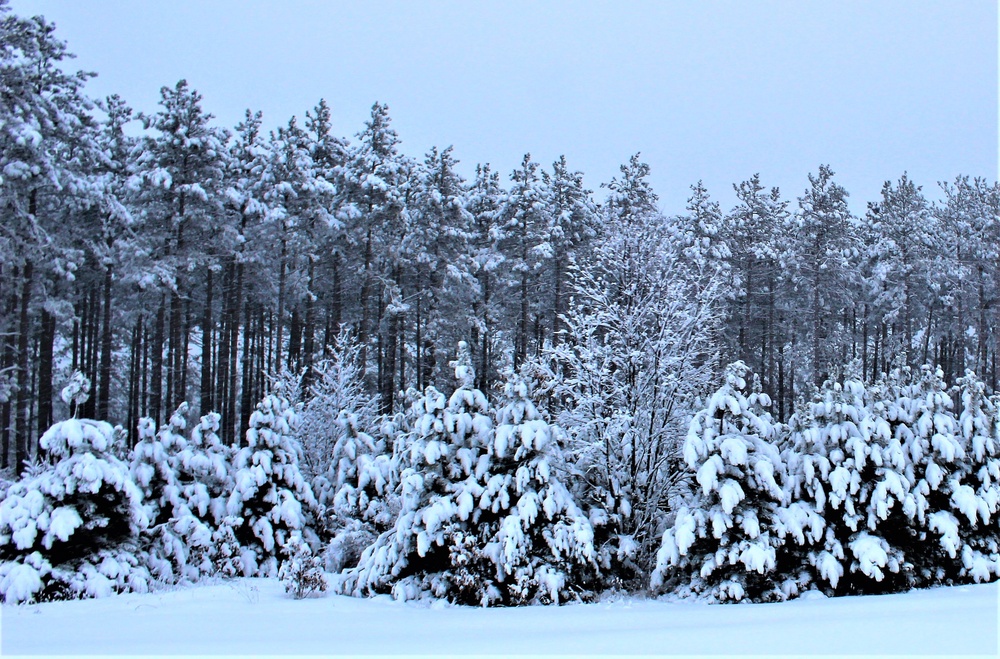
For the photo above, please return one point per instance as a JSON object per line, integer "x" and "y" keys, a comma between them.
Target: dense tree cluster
{"x": 870, "y": 488}
{"x": 272, "y": 317}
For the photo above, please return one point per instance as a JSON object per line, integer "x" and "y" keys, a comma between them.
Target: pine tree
{"x": 976, "y": 502}
{"x": 936, "y": 462}
{"x": 72, "y": 528}
{"x": 271, "y": 498}
{"x": 849, "y": 466}
{"x": 534, "y": 544}
{"x": 725, "y": 543}
{"x": 822, "y": 244}
{"x": 442, "y": 461}
{"x": 525, "y": 215}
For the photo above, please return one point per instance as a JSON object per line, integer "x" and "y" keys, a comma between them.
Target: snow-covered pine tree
{"x": 533, "y": 543}
{"x": 203, "y": 469}
{"x": 302, "y": 572}
{"x": 442, "y": 459}
{"x": 848, "y": 467}
{"x": 357, "y": 492}
{"x": 271, "y": 499}
{"x": 976, "y": 502}
{"x": 183, "y": 483}
{"x": 72, "y": 529}
{"x": 152, "y": 470}
{"x": 937, "y": 461}
{"x": 485, "y": 201}
{"x": 725, "y": 543}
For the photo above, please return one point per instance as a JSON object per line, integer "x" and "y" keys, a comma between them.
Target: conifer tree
{"x": 71, "y": 529}
{"x": 725, "y": 543}
{"x": 271, "y": 499}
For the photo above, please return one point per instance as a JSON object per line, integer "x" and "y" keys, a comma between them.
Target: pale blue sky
{"x": 713, "y": 90}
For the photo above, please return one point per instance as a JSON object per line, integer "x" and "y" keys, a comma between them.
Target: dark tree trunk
{"x": 207, "y": 402}
{"x": 245, "y": 402}
{"x": 23, "y": 405}
{"x": 309, "y": 329}
{"x": 45, "y": 357}
{"x": 7, "y": 363}
{"x": 234, "y": 418}
{"x": 135, "y": 364}
{"x": 182, "y": 392}
{"x": 104, "y": 399}
{"x": 156, "y": 369}
{"x": 294, "y": 341}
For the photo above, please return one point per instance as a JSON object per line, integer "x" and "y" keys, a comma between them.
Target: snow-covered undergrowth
{"x": 870, "y": 489}
{"x": 255, "y": 617}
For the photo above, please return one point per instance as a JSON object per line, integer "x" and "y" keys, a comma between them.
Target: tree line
{"x": 191, "y": 263}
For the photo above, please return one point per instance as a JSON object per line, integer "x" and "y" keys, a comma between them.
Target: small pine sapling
{"x": 301, "y": 573}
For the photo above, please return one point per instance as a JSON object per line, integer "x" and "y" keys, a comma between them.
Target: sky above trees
{"x": 713, "y": 91}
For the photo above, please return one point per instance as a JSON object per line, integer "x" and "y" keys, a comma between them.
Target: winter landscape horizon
{"x": 279, "y": 377}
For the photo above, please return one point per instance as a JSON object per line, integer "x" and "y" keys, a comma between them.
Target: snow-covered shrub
{"x": 976, "y": 501}
{"x": 72, "y": 530}
{"x": 485, "y": 518}
{"x": 183, "y": 482}
{"x": 936, "y": 461}
{"x": 270, "y": 495}
{"x": 440, "y": 459}
{"x": 336, "y": 392}
{"x": 848, "y": 466}
{"x": 725, "y": 543}
{"x": 357, "y": 491}
{"x": 301, "y": 573}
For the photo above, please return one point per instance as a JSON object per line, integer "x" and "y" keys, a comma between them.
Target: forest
{"x": 501, "y": 390}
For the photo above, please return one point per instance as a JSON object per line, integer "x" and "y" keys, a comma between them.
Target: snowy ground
{"x": 254, "y": 617}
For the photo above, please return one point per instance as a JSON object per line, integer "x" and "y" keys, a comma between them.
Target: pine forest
{"x": 307, "y": 354}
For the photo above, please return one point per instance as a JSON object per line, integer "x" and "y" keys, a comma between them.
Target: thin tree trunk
{"x": 247, "y": 379}
{"x": 8, "y": 363}
{"x": 23, "y": 405}
{"x": 45, "y": 359}
{"x": 104, "y": 399}
{"x": 282, "y": 276}
{"x": 234, "y": 361}
{"x": 135, "y": 365}
{"x": 309, "y": 328}
{"x": 156, "y": 370}
{"x": 207, "y": 402}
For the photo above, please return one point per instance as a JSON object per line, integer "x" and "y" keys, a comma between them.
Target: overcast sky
{"x": 713, "y": 90}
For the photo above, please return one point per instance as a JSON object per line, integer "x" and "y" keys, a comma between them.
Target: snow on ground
{"x": 254, "y": 617}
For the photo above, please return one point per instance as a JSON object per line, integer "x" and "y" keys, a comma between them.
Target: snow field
{"x": 255, "y": 617}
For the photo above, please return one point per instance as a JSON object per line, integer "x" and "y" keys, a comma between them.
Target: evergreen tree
{"x": 271, "y": 498}
{"x": 442, "y": 462}
{"x": 849, "y": 466}
{"x": 725, "y": 543}
{"x": 977, "y": 499}
{"x": 71, "y": 529}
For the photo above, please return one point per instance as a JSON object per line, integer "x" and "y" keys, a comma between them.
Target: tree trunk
{"x": 104, "y": 398}
{"x": 366, "y": 292}
{"x": 309, "y": 328}
{"x": 247, "y": 373}
{"x": 135, "y": 365}
{"x": 23, "y": 405}
{"x": 207, "y": 402}
{"x": 6, "y": 365}
{"x": 45, "y": 358}
{"x": 156, "y": 370}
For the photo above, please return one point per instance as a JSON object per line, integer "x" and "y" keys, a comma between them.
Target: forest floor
{"x": 254, "y": 617}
